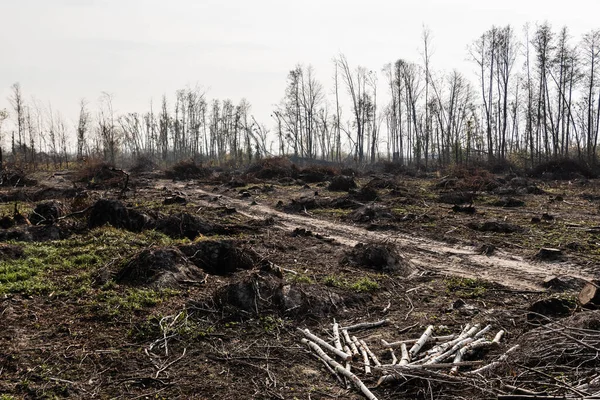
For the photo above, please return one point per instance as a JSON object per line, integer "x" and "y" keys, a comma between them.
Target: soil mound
{"x": 379, "y": 257}
{"x": 365, "y": 193}
{"x": 113, "y": 212}
{"x": 370, "y": 213}
{"x": 15, "y": 178}
{"x": 259, "y": 293}
{"x": 47, "y": 213}
{"x": 183, "y": 225}
{"x": 158, "y": 267}
{"x": 508, "y": 202}
{"x": 562, "y": 169}
{"x": 220, "y": 257}
{"x": 42, "y": 233}
{"x": 11, "y": 252}
{"x": 382, "y": 183}
{"x": 272, "y": 168}
{"x": 101, "y": 176}
{"x": 494, "y": 226}
{"x": 143, "y": 164}
{"x": 457, "y": 197}
{"x": 305, "y": 203}
{"x": 317, "y": 173}
{"x": 187, "y": 169}
{"x": 342, "y": 183}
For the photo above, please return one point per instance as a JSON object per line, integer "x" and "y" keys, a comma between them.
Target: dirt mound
{"x": 159, "y": 267}
{"x": 305, "y": 203}
{"x": 220, "y": 257}
{"x": 101, "y": 176}
{"x": 508, "y": 202}
{"x": 468, "y": 179}
{"x": 15, "y": 178}
{"x": 365, "y": 193}
{"x": 317, "y": 173}
{"x": 42, "y": 233}
{"x": 382, "y": 183}
{"x": 562, "y": 169}
{"x": 113, "y": 212}
{"x": 143, "y": 164}
{"x": 11, "y": 252}
{"x": 494, "y": 226}
{"x": 379, "y": 257}
{"x": 259, "y": 293}
{"x": 183, "y": 225}
{"x": 370, "y": 213}
{"x": 272, "y": 168}
{"x": 342, "y": 183}
{"x": 187, "y": 169}
{"x": 47, "y": 213}
{"x": 457, "y": 197}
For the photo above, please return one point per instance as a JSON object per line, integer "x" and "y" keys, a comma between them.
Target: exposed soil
{"x": 194, "y": 286}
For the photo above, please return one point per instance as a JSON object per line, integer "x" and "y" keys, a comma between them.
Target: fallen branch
{"x": 422, "y": 340}
{"x": 366, "y": 325}
{"x": 340, "y": 369}
{"x": 323, "y": 343}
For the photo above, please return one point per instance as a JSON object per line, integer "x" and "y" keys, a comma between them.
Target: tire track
{"x": 502, "y": 267}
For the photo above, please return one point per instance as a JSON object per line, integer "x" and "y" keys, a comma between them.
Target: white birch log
{"x": 409, "y": 367}
{"x": 394, "y": 358}
{"x": 448, "y": 353}
{"x": 498, "y": 336}
{"x": 432, "y": 339}
{"x": 364, "y": 354}
{"x": 482, "y": 332}
{"x": 422, "y": 340}
{"x": 350, "y": 343}
{"x": 493, "y": 365}
{"x": 323, "y": 343}
{"x": 366, "y": 325}
{"x": 457, "y": 359}
{"x": 465, "y": 329}
{"x": 473, "y": 329}
{"x": 340, "y": 369}
{"x": 370, "y": 353}
{"x": 336, "y": 336}
{"x": 347, "y": 351}
{"x": 405, "y": 355}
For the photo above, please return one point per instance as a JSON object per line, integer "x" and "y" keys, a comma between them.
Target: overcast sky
{"x": 64, "y": 50}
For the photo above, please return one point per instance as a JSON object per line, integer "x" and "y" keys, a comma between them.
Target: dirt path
{"x": 509, "y": 270}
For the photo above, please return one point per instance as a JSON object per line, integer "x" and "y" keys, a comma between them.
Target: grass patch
{"x": 362, "y": 285}
{"x": 66, "y": 267}
{"x": 466, "y": 287}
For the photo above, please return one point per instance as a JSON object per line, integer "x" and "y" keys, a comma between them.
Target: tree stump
{"x": 590, "y": 294}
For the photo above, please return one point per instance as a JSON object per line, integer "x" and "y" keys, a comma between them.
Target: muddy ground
{"x": 193, "y": 285}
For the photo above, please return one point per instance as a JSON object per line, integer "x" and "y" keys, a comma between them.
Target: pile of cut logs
{"x": 346, "y": 356}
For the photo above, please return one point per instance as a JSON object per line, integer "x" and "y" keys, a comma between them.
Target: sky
{"x": 62, "y": 51}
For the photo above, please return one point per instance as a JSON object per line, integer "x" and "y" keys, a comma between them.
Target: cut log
{"x": 336, "y": 336}
{"x": 422, "y": 340}
{"x": 350, "y": 343}
{"x": 366, "y": 325}
{"x": 590, "y": 294}
{"x": 340, "y": 369}
{"x": 323, "y": 343}
{"x": 548, "y": 254}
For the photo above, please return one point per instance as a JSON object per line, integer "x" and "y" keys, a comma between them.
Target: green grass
{"x": 362, "y": 285}
{"x": 466, "y": 287}
{"x": 67, "y": 267}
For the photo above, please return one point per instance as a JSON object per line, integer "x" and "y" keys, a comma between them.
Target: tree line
{"x": 536, "y": 96}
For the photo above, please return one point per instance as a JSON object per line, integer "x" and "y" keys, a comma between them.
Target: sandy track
{"x": 509, "y": 270}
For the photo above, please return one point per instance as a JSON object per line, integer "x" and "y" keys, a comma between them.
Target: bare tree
{"x": 82, "y": 129}
{"x": 107, "y": 128}
{"x": 591, "y": 58}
